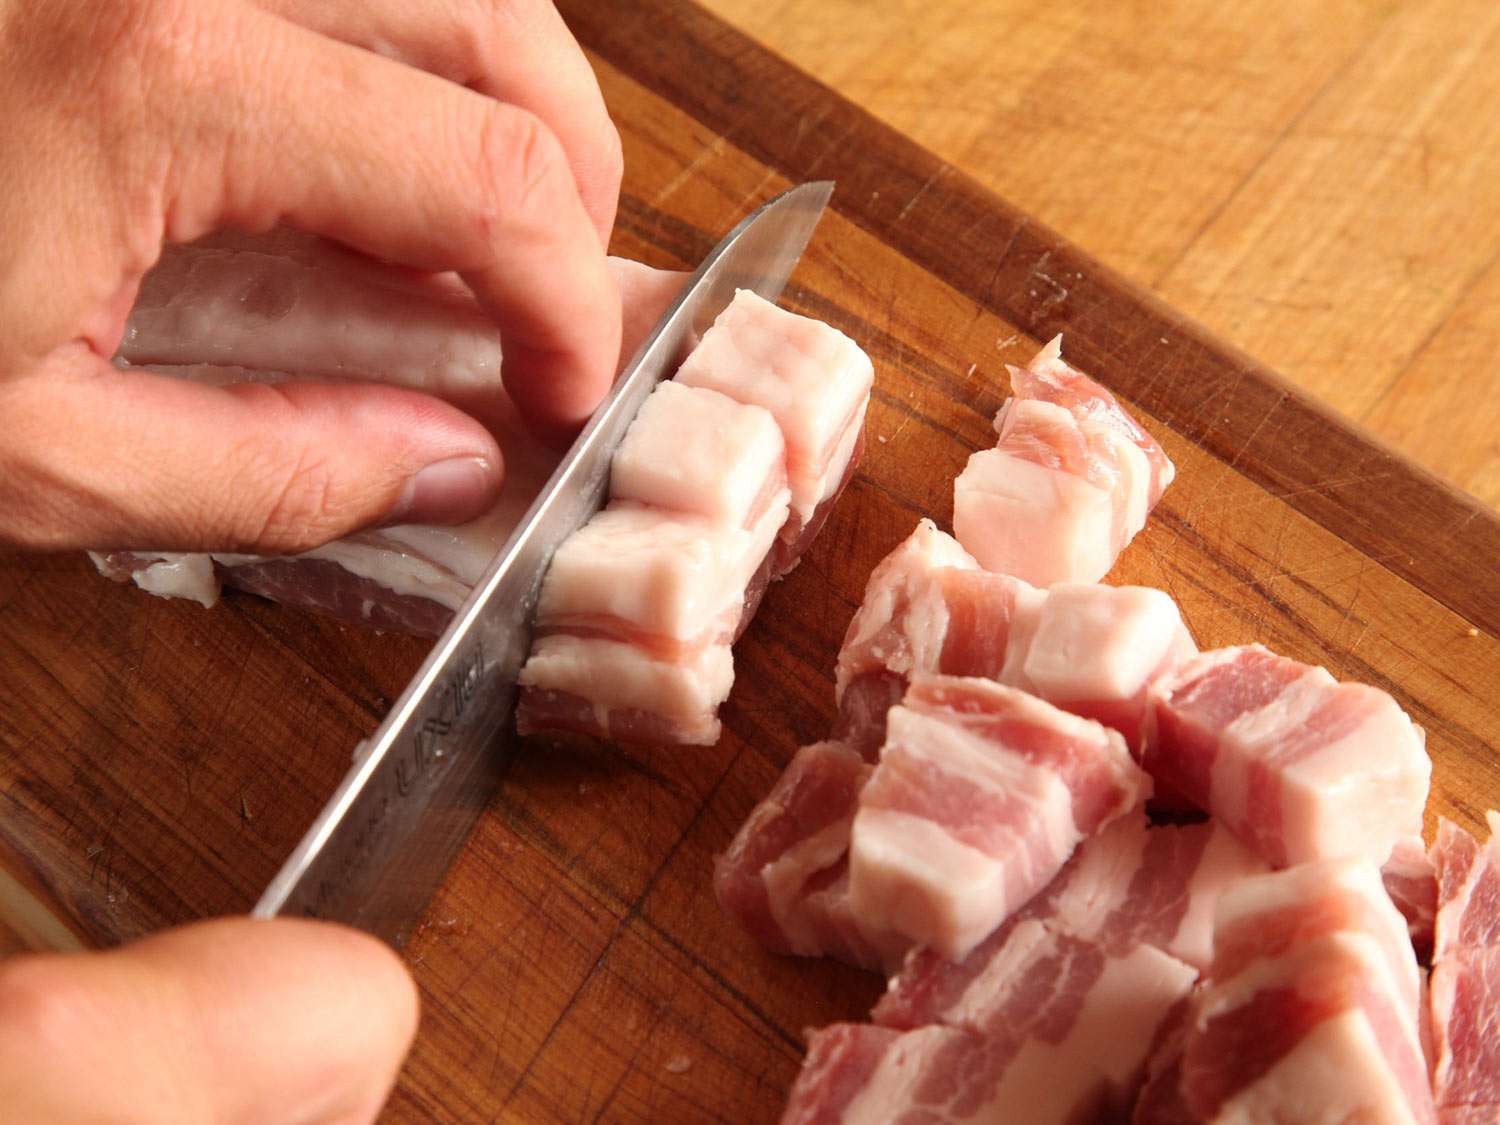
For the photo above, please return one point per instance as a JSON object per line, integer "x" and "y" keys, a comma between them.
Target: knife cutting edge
{"x": 380, "y": 846}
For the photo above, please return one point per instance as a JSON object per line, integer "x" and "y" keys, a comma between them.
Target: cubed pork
{"x": 1297, "y": 764}
{"x": 1069, "y": 483}
{"x": 981, "y": 794}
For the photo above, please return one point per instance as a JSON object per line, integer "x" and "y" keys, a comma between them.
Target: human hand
{"x": 466, "y": 136}
{"x": 234, "y": 1020}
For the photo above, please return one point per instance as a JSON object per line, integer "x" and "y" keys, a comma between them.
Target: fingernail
{"x": 450, "y": 491}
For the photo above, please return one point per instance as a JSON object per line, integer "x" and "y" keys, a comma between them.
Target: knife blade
{"x": 378, "y": 849}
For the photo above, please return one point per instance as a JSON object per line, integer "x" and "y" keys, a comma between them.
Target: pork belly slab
{"x": 1059, "y": 1032}
{"x": 1310, "y": 1012}
{"x": 1067, "y": 486}
{"x": 1089, "y": 649}
{"x": 1298, "y": 765}
{"x": 715, "y": 488}
{"x": 980, "y": 796}
{"x": 1464, "y": 989}
{"x": 269, "y": 308}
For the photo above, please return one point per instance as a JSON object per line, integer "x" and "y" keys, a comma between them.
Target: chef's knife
{"x": 381, "y": 845}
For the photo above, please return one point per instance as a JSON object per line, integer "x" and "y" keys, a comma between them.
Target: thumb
{"x": 234, "y": 1020}
{"x": 93, "y": 456}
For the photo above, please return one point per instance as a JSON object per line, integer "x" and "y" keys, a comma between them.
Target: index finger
{"x": 273, "y": 122}
{"x": 519, "y": 51}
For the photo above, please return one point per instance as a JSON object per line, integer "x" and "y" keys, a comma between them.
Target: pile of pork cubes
{"x": 1009, "y": 820}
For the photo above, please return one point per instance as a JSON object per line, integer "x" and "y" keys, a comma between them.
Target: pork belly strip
{"x": 1310, "y": 1011}
{"x": 1062, "y": 1035}
{"x": 981, "y": 794}
{"x": 1068, "y": 484}
{"x": 1298, "y": 765}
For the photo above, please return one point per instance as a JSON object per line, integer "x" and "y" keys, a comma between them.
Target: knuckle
{"x": 519, "y": 162}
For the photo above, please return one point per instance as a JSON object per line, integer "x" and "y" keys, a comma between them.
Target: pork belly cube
{"x": 1130, "y": 885}
{"x": 1138, "y": 883}
{"x": 1056, "y": 1031}
{"x": 1311, "y": 1008}
{"x": 882, "y": 635}
{"x": 1088, "y": 649}
{"x": 980, "y": 797}
{"x": 1097, "y": 649}
{"x": 1269, "y": 915}
{"x": 1298, "y": 765}
{"x": 1067, "y": 486}
{"x": 1049, "y": 378}
{"x": 616, "y": 690}
{"x": 813, "y": 379}
{"x": 784, "y": 877}
{"x": 669, "y": 582}
{"x": 1020, "y": 513}
{"x": 694, "y": 450}
{"x": 1314, "y": 1035}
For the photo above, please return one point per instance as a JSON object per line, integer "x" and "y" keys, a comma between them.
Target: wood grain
{"x": 160, "y": 760}
{"x": 1313, "y": 182}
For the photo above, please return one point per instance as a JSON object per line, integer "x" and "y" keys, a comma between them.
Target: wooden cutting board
{"x": 160, "y": 760}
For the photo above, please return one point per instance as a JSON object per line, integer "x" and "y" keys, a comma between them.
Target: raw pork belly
{"x": 785, "y": 876}
{"x": 268, "y": 308}
{"x": 720, "y": 482}
{"x": 1067, "y": 486}
{"x": 1311, "y": 1007}
{"x": 1057, "y": 1031}
{"x": 1129, "y": 886}
{"x": 1297, "y": 764}
{"x": 1465, "y": 985}
{"x": 816, "y": 383}
{"x": 980, "y": 797}
{"x": 1411, "y": 882}
{"x": 1089, "y": 649}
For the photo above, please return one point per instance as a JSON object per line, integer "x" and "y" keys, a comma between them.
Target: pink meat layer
{"x": 1265, "y": 1057}
{"x": 981, "y": 795}
{"x": 1295, "y": 763}
{"x": 784, "y": 877}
